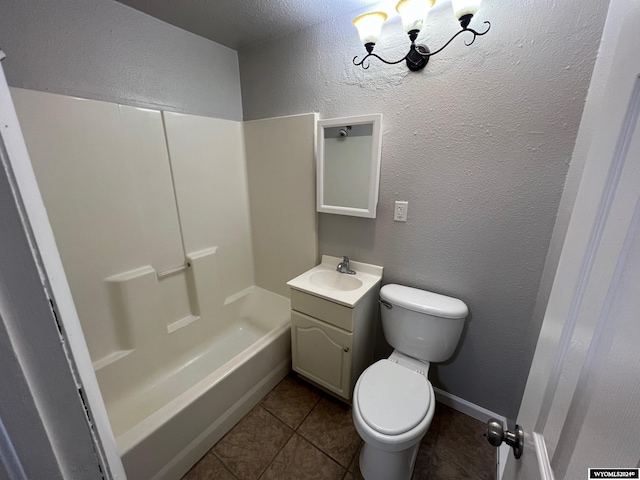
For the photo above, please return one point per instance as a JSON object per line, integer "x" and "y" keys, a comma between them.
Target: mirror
{"x": 348, "y": 174}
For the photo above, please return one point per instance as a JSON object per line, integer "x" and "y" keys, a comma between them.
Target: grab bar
{"x": 173, "y": 271}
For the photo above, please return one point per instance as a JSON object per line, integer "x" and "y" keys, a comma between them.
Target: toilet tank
{"x": 421, "y": 324}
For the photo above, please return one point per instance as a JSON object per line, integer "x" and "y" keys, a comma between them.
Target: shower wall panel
{"x": 104, "y": 175}
{"x": 209, "y": 173}
{"x": 132, "y": 195}
{"x": 282, "y": 190}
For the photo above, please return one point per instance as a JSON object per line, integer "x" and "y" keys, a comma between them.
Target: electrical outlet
{"x": 400, "y": 211}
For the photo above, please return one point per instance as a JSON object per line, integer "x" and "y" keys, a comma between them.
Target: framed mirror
{"x": 348, "y": 163}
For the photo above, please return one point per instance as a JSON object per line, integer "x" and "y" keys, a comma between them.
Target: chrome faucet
{"x": 343, "y": 267}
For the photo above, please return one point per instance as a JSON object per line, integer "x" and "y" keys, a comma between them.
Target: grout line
{"x": 353, "y": 457}
{"x": 275, "y": 416}
{"x": 308, "y": 413}
{"x": 224, "y": 465}
{"x": 275, "y": 456}
{"x": 294, "y": 432}
{"x": 285, "y": 443}
{"x": 313, "y": 445}
{"x": 259, "y": 405}
{"x": 319, "y": 447}
{"x": 428, "y": 466}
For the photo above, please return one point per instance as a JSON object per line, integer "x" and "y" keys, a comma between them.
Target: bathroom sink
{"x": 324, "y": 281}
{"x": 334, "y": 280}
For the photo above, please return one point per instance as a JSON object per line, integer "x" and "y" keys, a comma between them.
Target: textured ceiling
{"x": 240, "y": 23}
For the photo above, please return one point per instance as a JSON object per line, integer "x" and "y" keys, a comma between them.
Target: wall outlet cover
{"x": 400, "y": 211}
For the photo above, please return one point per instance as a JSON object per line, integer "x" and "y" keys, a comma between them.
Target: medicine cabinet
{"x": 348, "y": 164}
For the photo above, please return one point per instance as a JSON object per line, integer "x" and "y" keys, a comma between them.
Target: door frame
{"x": 42, "y": 325}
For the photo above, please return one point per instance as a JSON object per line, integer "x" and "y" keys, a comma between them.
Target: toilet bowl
{"x": 392, "y": 409}
{"x": 393, "y": 400}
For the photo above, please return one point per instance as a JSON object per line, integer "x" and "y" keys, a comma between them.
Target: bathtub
{"x": 167, "y": 421}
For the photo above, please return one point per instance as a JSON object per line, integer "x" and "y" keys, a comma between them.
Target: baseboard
{"x": 468, "y": 408}
{"x": 544, "y": 465}
{"x": 479, "y": 413}
{"x": 502, "y": 453}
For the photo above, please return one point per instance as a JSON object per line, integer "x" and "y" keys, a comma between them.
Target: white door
{"x": 581, "y": 406}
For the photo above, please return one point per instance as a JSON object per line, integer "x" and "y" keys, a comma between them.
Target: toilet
{"x": 393, "y": 400}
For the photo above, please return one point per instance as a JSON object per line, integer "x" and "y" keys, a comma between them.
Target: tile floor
{"x": 298, "y": 432}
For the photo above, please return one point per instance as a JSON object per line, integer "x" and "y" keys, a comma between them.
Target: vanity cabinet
{"x": 332, "y": 343}
{"x": 322, "y": 353}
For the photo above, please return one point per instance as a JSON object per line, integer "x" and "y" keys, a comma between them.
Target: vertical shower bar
{"x": 186, "y": 265}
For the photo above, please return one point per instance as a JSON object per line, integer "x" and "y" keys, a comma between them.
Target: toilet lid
{"x": 393, "y": 399}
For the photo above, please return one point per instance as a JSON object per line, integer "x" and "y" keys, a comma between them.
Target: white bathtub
{"x": 164, "y": 423}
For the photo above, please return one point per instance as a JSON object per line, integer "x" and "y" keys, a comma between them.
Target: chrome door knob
{"x": 496, "y": 435}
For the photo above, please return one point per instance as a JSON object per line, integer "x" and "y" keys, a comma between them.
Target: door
{"x": 580, "y": 408}
{"x": 322, "y": 353}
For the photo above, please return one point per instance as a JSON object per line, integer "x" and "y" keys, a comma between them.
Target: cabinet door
{"x": 322, "y": 353}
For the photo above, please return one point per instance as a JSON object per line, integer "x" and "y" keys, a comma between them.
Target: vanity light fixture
{"x": 413, "y": 14}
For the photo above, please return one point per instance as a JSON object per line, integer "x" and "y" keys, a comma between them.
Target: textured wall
{"x": 104, "y": 50}
{"x": 479, "y": 144}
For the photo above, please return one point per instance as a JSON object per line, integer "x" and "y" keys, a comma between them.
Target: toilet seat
{"x": 392, "y": 399}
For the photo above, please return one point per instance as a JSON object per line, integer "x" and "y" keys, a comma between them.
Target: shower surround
{"x": 177, "y": 234}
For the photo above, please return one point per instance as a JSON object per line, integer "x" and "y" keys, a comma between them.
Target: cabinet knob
{"x": 346, "y": 349}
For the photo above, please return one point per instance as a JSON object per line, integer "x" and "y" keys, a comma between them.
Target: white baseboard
{"x": 503, "y": 452}
{"x": 468, "y": 408}
{"x": 479, "y": 413}
{"x": 542, "y": 456}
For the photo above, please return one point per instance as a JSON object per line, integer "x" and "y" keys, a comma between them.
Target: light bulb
{"x": 369, "y": 26}
{"x": 414, "y": 13}
{"x": 465, "y": 7}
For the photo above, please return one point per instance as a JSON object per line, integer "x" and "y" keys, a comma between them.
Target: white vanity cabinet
{"x": 322, "y": 353}
{"x": 332, "y": 337}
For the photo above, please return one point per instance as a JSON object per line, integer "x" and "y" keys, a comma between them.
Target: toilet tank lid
{"x": 424, "y": 302}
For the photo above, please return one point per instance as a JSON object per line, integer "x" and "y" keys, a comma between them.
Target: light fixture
{"x": 413, "y": 14}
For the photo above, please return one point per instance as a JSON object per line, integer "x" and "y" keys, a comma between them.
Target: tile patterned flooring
{"x": 298, "y": 432}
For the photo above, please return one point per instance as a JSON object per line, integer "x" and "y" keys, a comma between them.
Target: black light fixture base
{"x": 465, "y": 20}
{"x": 418, "y": 57}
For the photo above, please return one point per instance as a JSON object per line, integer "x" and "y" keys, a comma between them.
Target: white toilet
{"x": 393, "y": 400}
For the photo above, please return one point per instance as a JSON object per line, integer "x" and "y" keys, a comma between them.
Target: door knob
{"x": 496, "y": 435}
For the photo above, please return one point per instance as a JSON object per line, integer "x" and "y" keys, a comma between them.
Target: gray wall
{"x": 478, "y": 143}
{"x": 107, "y": 51}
